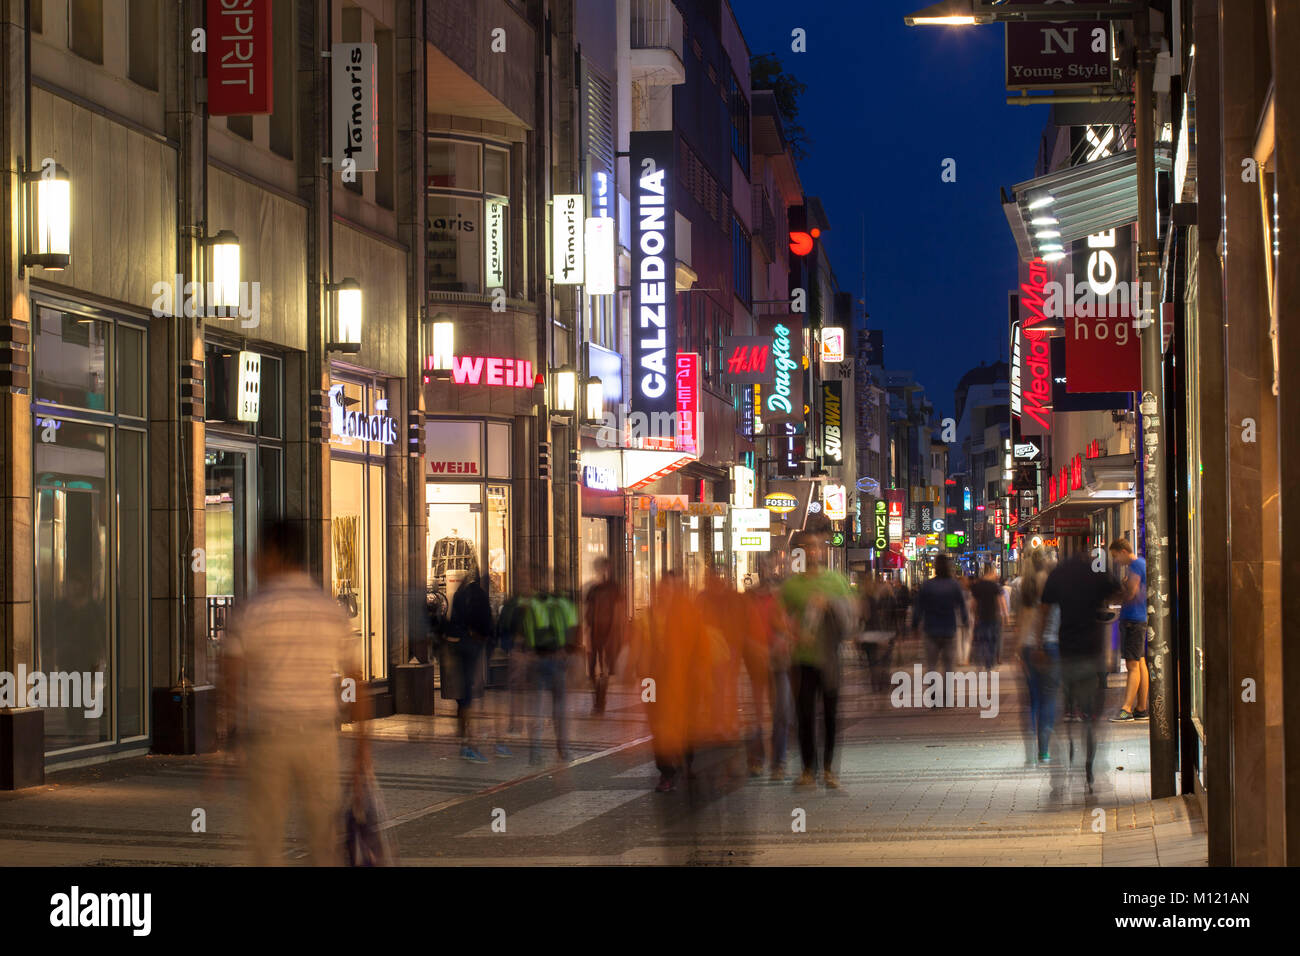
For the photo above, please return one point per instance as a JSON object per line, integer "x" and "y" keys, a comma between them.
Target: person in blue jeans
{"x": 1133, "y": 629}
{"x": 1043, "y": 675}
{"x": 548, "y": 630}
{"x": 990, "y": 615}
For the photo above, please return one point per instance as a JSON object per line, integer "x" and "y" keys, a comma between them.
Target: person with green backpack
{"x": 549, "y": 623}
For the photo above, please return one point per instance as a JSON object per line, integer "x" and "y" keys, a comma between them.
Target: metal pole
{"x": 1164, "y": 753}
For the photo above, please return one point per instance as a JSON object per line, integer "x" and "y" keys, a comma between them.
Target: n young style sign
{"x": 1058, "y": 55}
{"x": 654, "y": 269}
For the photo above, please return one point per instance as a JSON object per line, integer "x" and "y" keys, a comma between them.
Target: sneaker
{"x": 665, "y": 784}
{"x": 1123, "y": 716}
{"x": 806, "y": 779}
{"x": 756, "y": 770}
{"x": 778, "y": 773}
{"x": 503, "y": 751}
{"x": 472, "y": 755}
{"x": 1044, "y": 758}
{"x": 831, "y": 781}
{"x": 1141, "y": 715}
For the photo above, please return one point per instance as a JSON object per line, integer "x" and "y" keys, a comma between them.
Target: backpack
{"x": 551, "y": 617}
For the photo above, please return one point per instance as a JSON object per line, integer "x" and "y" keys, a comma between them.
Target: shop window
{"x": 72, "y": 369}
{"x": 453, "y": 165}
{"x": 130, "y": 371}
{"x": 496, "y": 171}
{"x": 468, "y": 208}
{"x": 455, "y": 241}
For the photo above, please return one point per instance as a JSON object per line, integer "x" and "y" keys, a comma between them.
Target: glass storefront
{"x": 358, "y": 516}
{"x": 467, "y": 509}
{"x": 90, "y": 521}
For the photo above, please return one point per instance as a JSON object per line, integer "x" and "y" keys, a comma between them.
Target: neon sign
{"x": 653, "y": 262}
{"x": 688, "y": 400}
{"x": 779, "y": 400}
{"x": 1036, "y": 394}
{"x": 489, "y": 370}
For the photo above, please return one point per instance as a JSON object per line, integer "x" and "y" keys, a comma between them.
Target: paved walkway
{"x": 920, "y": 787}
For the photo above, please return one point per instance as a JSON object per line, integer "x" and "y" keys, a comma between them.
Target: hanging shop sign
{"x": 654, "y": 263}
{"x": 835, "y": 501}
{"x": 356, "y": 106}
{"x": 239, "y": 57}
{"x": 1072, "y": 525}
{"x": 355, "y": 424}
{"x": 1102, "y": 348}
{"x": 250, "y": 386}
{"x": 567, "y": 233}
{"x": 743, "y": 487}
{"x": 751, "y": 541}
{"x": 832, "y": 344}
{"x": 832, "y": 445}
{"x": 751, "y": 519}
{"x": 780, "y": 502}
{"x": 600, "y": 243}
{"x": 1035, "y": 374}
{"x": 489, "y": 370}
{"x": 1057, "y": 55}
{"x": 687, "y": 390}
{"x": 925, "y": 518}
{"x": 881, "y": 515}
{"x": 600, "y": 478}
{"x": 747, "y": 360}
{"x": 494, "y": 244}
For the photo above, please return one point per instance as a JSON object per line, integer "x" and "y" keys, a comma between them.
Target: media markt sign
{"x": 1058, "y": 54}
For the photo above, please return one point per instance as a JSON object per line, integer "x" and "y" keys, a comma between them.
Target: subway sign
{"x": 832, "y": 446}
{"x": 654, "y": 265}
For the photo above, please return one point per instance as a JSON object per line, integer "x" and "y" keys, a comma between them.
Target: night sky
{"x": 885, "y": 105}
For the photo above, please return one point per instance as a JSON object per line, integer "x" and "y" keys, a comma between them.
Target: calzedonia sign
{"x": 654, "y": 267}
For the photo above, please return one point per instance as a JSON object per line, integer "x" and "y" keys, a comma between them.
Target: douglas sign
{"x": 654, "y": 261}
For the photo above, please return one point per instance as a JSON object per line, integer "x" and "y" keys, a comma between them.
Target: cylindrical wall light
{"x": 566, "y": 390}
{"x": 348, "y": 309}
{"x": 223, "y": 267}
{"x": 595, "y": 401}
{"x": 49, "y": 202}
{"x": 442, "y": 344}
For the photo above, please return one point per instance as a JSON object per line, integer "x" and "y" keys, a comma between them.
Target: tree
{"x": 767, "y": 73}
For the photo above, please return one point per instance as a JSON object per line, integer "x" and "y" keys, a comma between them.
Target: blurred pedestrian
{"x": 666, "y": 635}
{"x": 771, "y": 628}
{"x": 469, "y": 629}
{"x": 605, "y": 615}
{"x": 549, "y": 628}
{"x": 284, "y": 649}
{"x": 1041, "y": 659}
{"x": 940, "y": 609}
{"x": 819, "y": 604}
{"x": 990, "y": 617}
{"x": 1133, "y": 629}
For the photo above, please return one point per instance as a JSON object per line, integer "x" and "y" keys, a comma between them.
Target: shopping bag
{"x": 365, "y": 843}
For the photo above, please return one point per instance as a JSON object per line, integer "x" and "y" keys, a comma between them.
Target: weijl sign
{"x": 654, "y": 258}
{"x": 356, "y": 107}
{"x": 567, "y": 215}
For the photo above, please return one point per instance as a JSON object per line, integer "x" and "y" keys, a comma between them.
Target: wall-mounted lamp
{"x": 49, "y": 217}
{"x": 566, "y": 390}
{"x": 223, "y": 268}
{"x": 594, "y": 406}
{"x": 442, "y": 345}
{"x": 348, "y": 309}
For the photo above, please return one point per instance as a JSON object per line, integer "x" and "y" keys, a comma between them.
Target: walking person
{"x": 283, "y": 650}
{"x": 1041, "y": 660}
{"x": 940, "y": 608}
{"x": 990, "y": 617}
{"x": 1080, "y": 594}
{"x": 818, "y": 602}
{"x": 1133, "y": 629}
{"x": 772, "y": 656}
{"x": 549, "y": 631}
{"x": 468, "y": 630}
{"x": 605, "y": 614}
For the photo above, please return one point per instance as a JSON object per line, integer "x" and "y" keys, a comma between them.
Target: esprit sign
{"x": 832, "y": 446}
{"x": 489, "y": 370}
{"x": 356, "y": 107}
{"x": 654, "y": 257}
{"x": 567, "y": 227}
{"x": 239, "y": 57}
{"x": 1058, "y": 54}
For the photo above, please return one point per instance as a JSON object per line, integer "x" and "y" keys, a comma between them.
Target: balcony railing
{"x": 656, "y": 25}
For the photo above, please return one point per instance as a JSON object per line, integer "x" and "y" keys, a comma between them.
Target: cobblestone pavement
{"x": 919, "y": 787}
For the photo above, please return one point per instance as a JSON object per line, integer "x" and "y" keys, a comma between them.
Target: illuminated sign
{"x": 832, "y": 447}
{"x": 832, "y": 344}
{"x": 750, "y": 519}
{"x": 488, "y": 370}
{"x": 966, "y": 499}
{"x": 837, "y": 539}
{"x": 239, "y": 57}
{"x": 779, "y": 399}
{"x": 781, "y": 502}
{"x": 654, "y": 257}
{"x": 688, "y": 401}
{"x": 250, "y": 386}
{"x": 937, "y": 525}
{"x": 743, "y": 487}
{"x": 599, "y": 477}
{"x": 1036, "y": 364}
{"x": 494, "y": 245}
{"x": 567, "y": 215}
{"x": 353, "y": 424}
{"x": 953, "y": 540}
{"x": 747, "y": 360}
{"x": 882, "y": 526}
{"x": 836, "y": 501}
{"x": 356, "y": 106}
{"x": 801, "y": 243}
{"x": 601, "y": 257}
{"x": 752, "y": 541}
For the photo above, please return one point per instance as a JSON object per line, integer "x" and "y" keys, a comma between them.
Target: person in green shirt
{"x": 549, "y": 626}
{"x": 819, "y": 604}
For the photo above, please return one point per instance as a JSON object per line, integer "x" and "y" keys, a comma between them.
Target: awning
{"x": 1076, "y": 202}
{"x": 633, "y": 468}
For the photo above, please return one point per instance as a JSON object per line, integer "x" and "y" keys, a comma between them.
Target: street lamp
{"x": 970, "y": 12}
{"x": 595, "y": 401}
{"x": 348, "y": 310}
{"x": 566, "y": 390}
{"x": 223, "y": 267}
{"x": 49, "y": 227}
